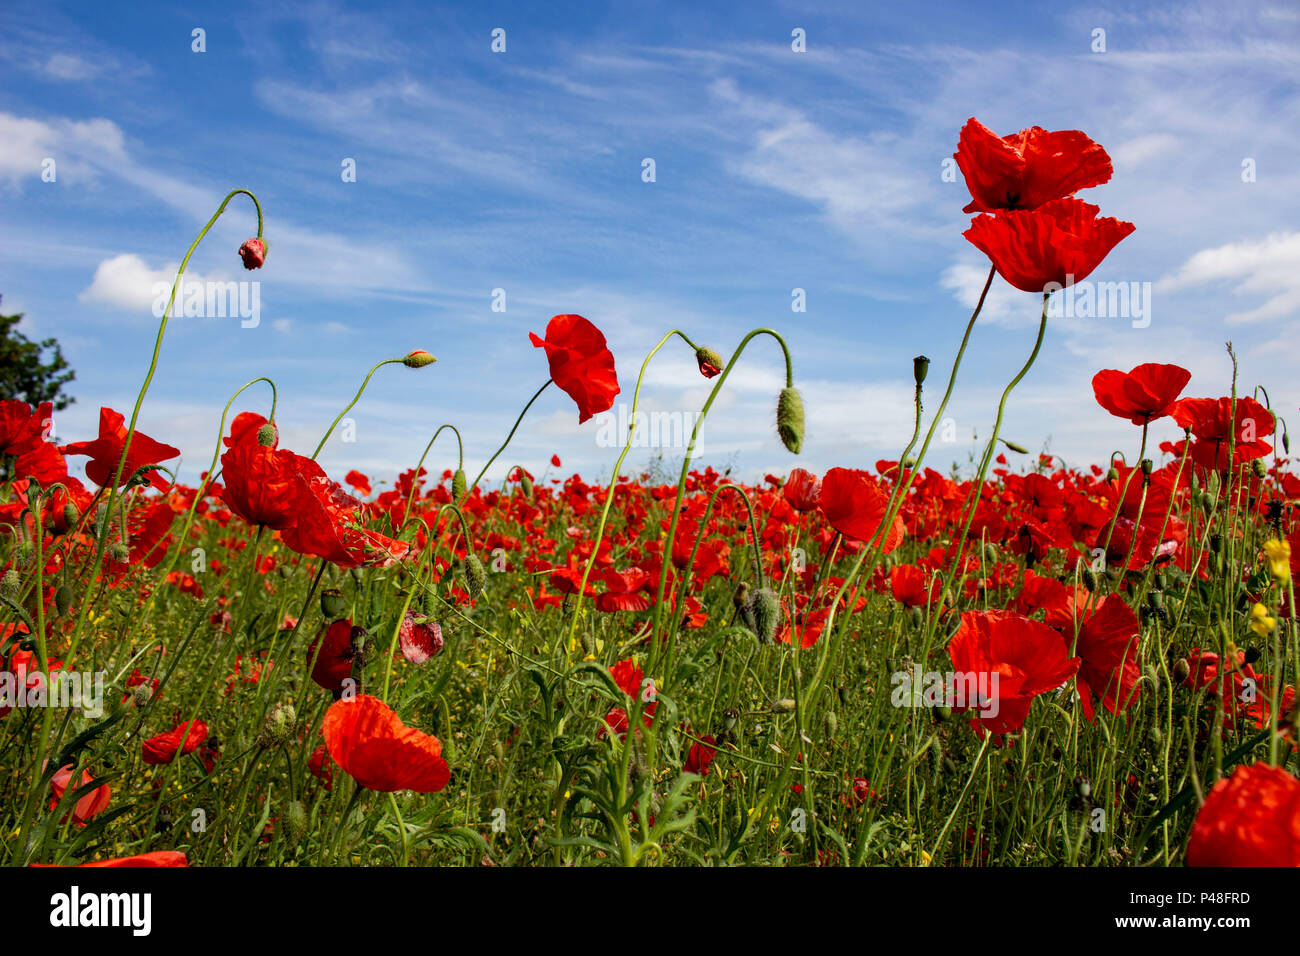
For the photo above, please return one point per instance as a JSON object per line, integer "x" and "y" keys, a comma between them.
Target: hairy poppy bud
{"x": 920, "y": 366}
{"x": 119, "y": 552}
{"x": 70, "y": 515}
{"x": 11, "y": 584}
{"x": 278, "y": 728}
{"x": 789, "y": 419}
{"x": 475, "y": 575}
{"x": 458, "y": 482}
{"x": 1018, "y": 449}
{"x": 1257, "y": 466}
{"x": 1182, "y": 670}
{"x": 63, "y": 598}
{"x": 418, "y": 359}
{"x": 1112, "y": 473}
{"x": 785, "y": 705}
{"x": 295, "y": 822}
{"x": 525, "y": 483}
{"x": 764, "y": 609}
{"x": 832, "y": 723}
{"x": 741, "y": 598}
{"x": 710, "y": 362}
{"x": 332, "y": 604}
{"x": 267, "y": 435}
{"x": 143, "y": 694}
{"x": 1286, "y": 442}
{"x": 253, "y": 252}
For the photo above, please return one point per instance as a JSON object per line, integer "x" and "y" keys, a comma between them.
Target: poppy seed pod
{"x": 475, "y": 575}
{"x": 920, "y": 366}
{"x": 266, "y": 436}
{"x": 764, "y": 609}
{"x": 1146, "y": 464}
{"x": 458, "y": 482}
{"x": 332, "y": 604}
{"x": 418, "y": 359}
{"x": 790, "y": 420}
{"x": 710, "y": 362}
{"x": 253, "y": 252}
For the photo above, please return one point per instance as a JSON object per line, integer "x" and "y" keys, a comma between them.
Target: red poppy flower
{"x": 1026, "y": 656}
{"x": 358, "y": 482}
{"x": 1212, "y": 423}
{"x": 624, "y": 591}
{"x": 1107, "y": 647}
{"x": 334, "y": 660}
{"x": 94, "y": 802}
{"x": 580, "y": 363}
{"x": 154, "y": 858}
{"x": 21, "y": 426}
{"x": 371, "y": 743}
{"x": 1057, "y": 244}
{"x": 261, "y": 484}
{"x": 1142, "y": 395}
{"x": 106, "y": 451}
{"x": 802, "y": 490}
{"x": 914, "y": 587}
{"x": 181, "y": 739}
{"x": 327, "y": 525}
{"x": 420, "y": 637}
{"x": 1251, "y": 818}
{"x": 699, "y": 758}
{"x": 253, "y": 252}
{"x": 245, "y": 428}
{"x": 854, "y": 505}
{"x": 1027, "y": 169}
{"x": 321, "y": 767}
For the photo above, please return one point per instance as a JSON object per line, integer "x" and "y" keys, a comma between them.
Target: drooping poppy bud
{"x": 764, "y": 610}
{"x": 710, "y": 362}
{"x": 11, "y": 584}
{"x": 332, "y": 604}
{"x": 525, "y": 483}
{"x": 790, "y": 420}
{"x": 475, "y": 575}
{"x": 458, "y": 482}
{"x": 278, "y": 728}
{"x": 1013, "y": 446}
{"x": 253, "y": 252}
{"x": 295, "y": 822}
{"x": 63, "y": 598}
{"x": 266, "y": 436}
{"x": 70, "y": 515}
{"x": 418, "y": 359}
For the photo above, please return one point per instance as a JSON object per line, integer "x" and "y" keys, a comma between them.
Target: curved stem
{"x": 469, "y": 489}
{"x": 415, "y": 477}
{"x": 356, "y": 398}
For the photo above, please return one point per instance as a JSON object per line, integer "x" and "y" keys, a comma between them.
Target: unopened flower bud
{"x": 784, "y": 705}
{"x": 418, "y": 359}
{"x": 11, "y": 584}
{"x": 267, "y": 436}
{"x": 119, "y": 552}
{"x": 525, "y": 483}
{"x": 1182, "y": 670}
{"x": 458, "y": 482}
{"x": 764, "y": 610}
{"x": 142, "y": 695}
{"x": 278, "y": 728}
{"x": 1257, "y": 466}
{"x": 63, "y": 596}
{"x": 920, "y": 366}
{"x": 710, "y": 362}
{"x": 475, "y": 575}
{"x": 1018, "y": 449}
{"x": 253, "y": 252}
{"x": 790, "y": 420}
{"x": 1083, "y": 785}
{"x": 1112, "y": 473}
{"x": 832, "y": 723}
{"x": 70, "y": 515}
{"x": 295, "y": 822}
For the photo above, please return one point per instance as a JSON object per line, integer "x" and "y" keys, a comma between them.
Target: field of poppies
{"x": 893, "y": 663}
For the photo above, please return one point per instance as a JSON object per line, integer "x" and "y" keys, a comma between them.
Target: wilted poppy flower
{"x": 420, "y": 637}
{"x": 1148, "y": 392}
{"x": 371, "y": 743}
{"x": 580, "y": 363}
{"x": 181, "y": 739}
{"x": 1251, "y": 818}
{"x": 334, "y": 660}
{"x": 854, "y": 505}
{"x": 1212, "y": 423}
{"x": 1027, "y": 169}
{"x": 1055, "y": 245}
{"x": 106, "y": 451}
{"x": 802, "y": 490}
{"x": 1026, "y": 656}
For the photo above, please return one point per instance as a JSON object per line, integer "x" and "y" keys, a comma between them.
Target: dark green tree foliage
{"x": 33, "y": 372}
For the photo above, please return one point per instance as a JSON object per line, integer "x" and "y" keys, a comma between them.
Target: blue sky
{"x": 522, "y": 170}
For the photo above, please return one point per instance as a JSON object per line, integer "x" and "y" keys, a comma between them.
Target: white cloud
{"x": 67, "y": 66}
{"x": 127, "y": 282}
{"x": 1268, "y": 267}
{"x": 76, "y": 146}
